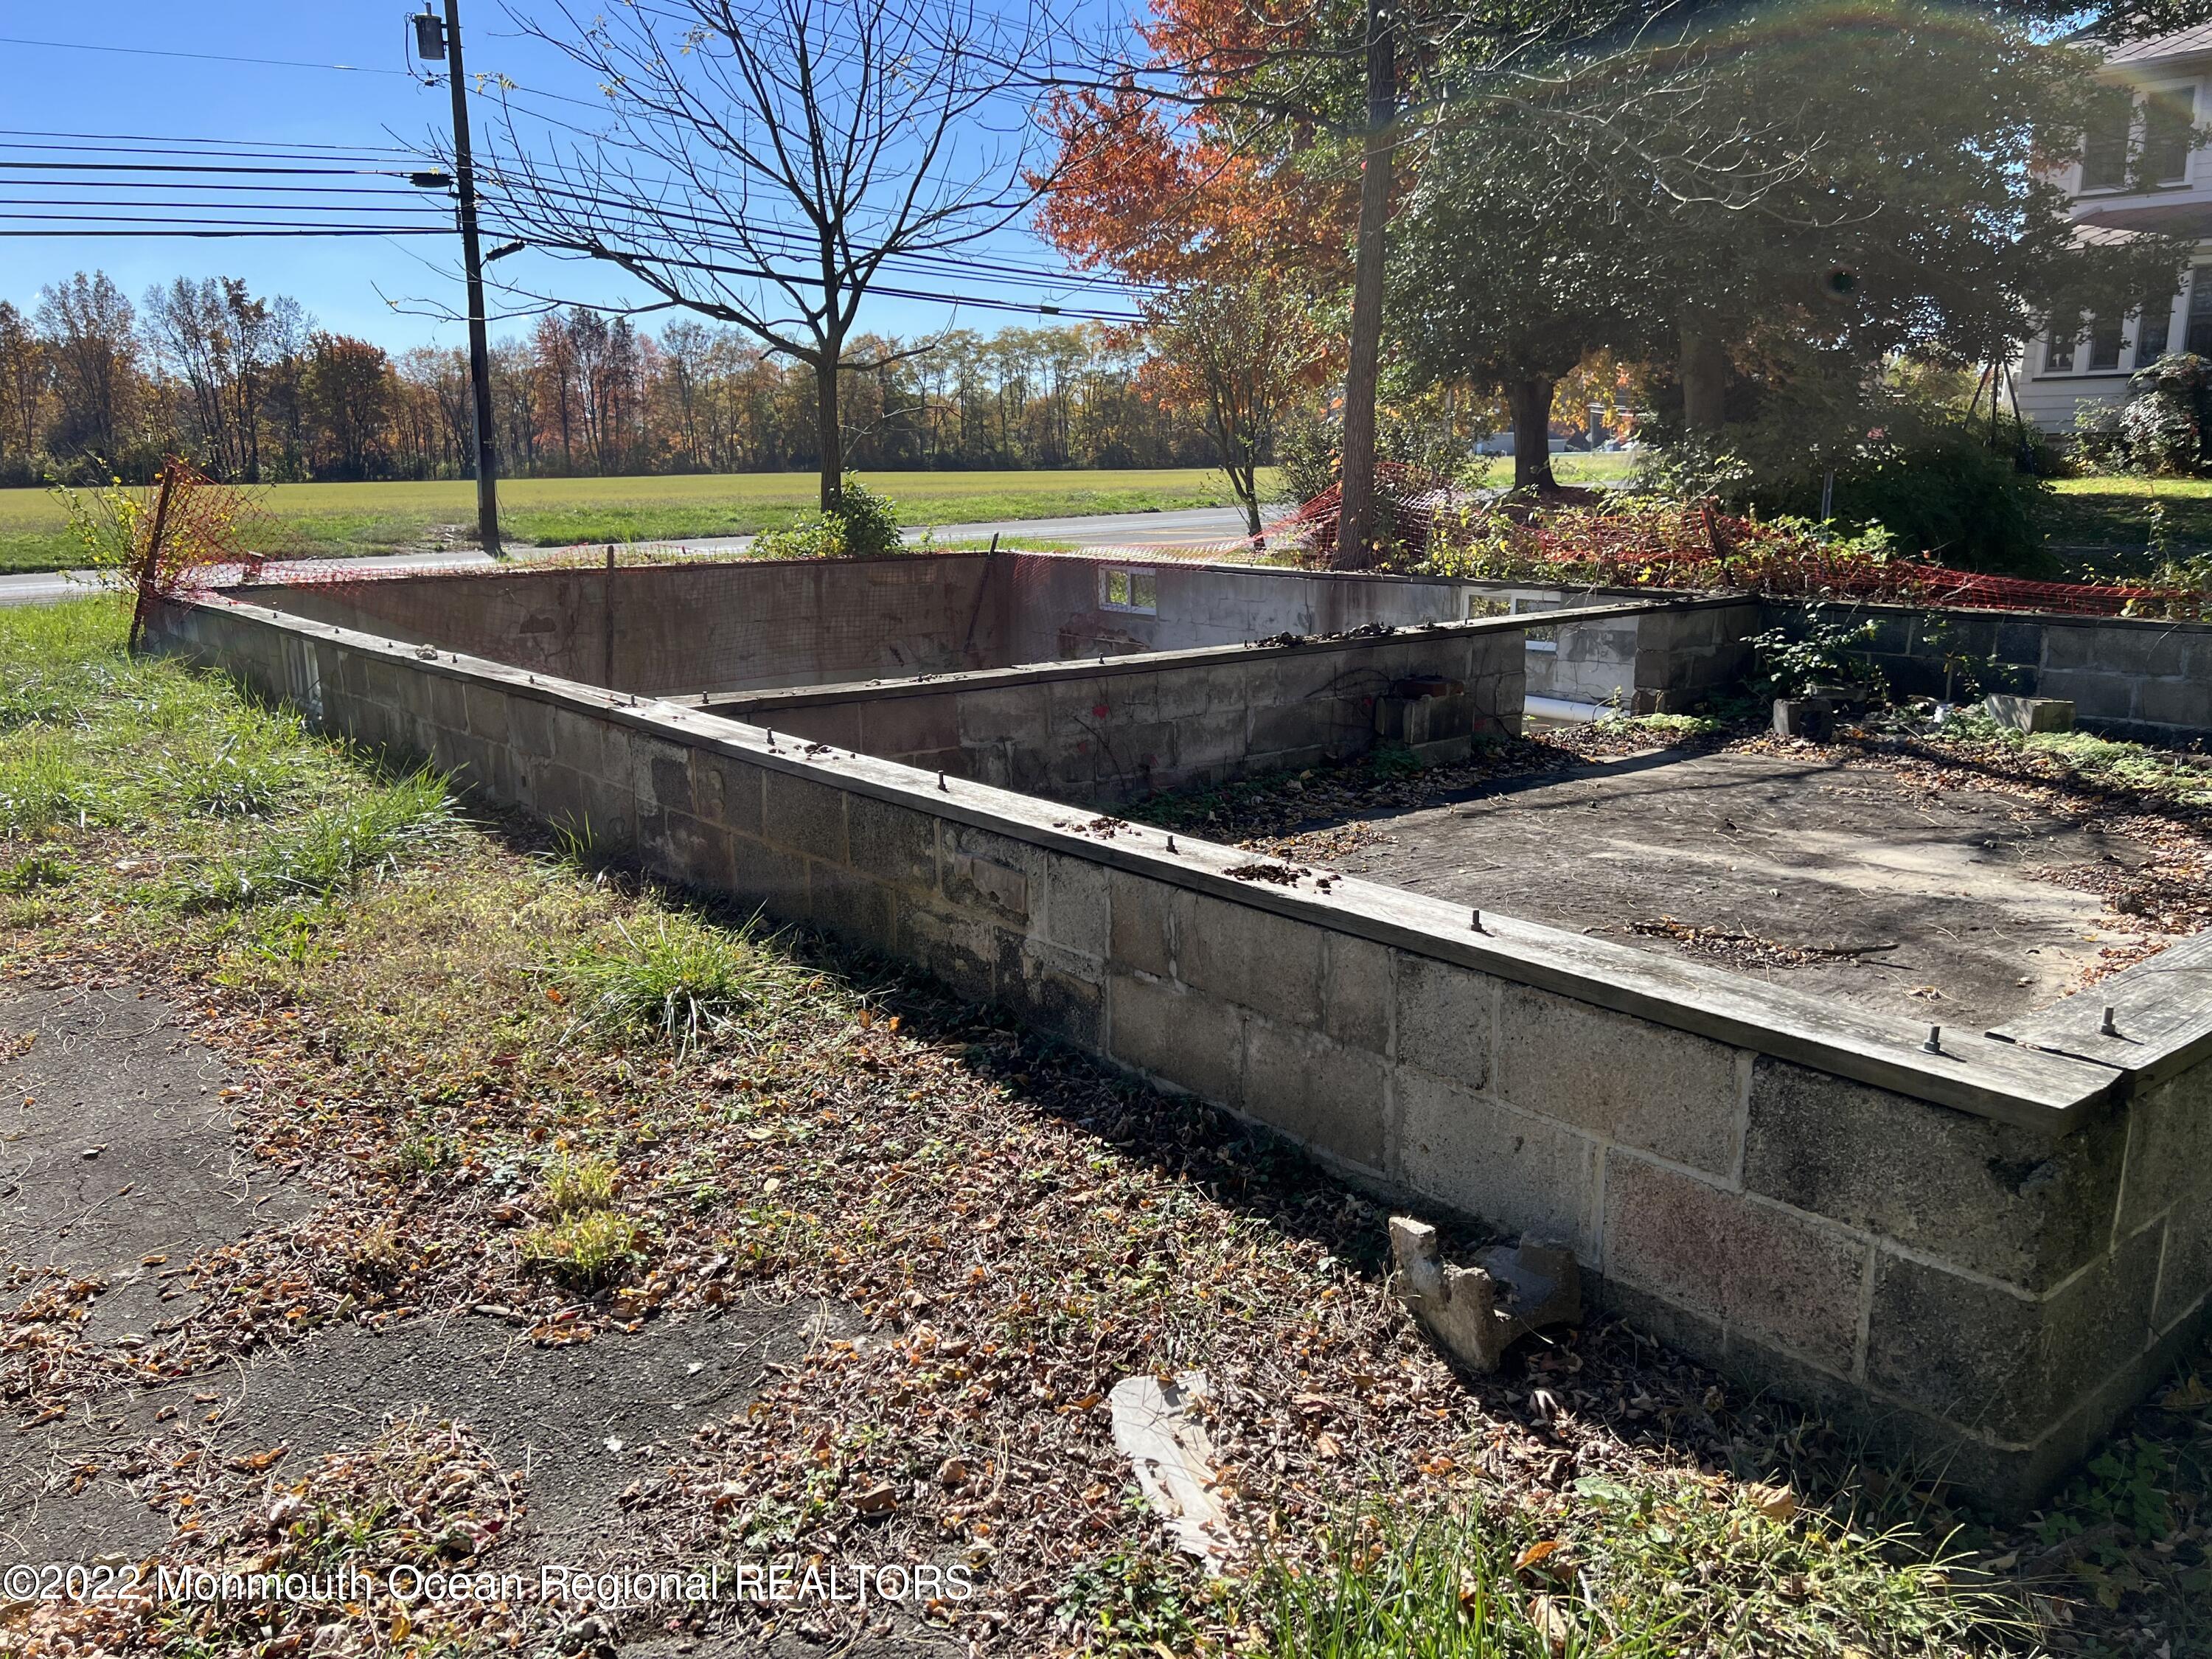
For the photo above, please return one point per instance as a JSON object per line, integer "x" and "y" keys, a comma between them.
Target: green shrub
{"x": 2164, "y": 427}
{"x": 1808, "y": 651}
{"x": 1941, "y": 483}
{"x": 866, "y": 526}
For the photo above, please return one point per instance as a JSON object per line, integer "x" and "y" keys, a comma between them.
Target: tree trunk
{"x": 831, "y": 443}
{"x": 1530, "y": 400}
{"x": 1357, "y": 521}
{"x": 1704, "y": 383}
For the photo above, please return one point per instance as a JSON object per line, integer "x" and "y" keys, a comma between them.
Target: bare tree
{"x": 763, "y": 160}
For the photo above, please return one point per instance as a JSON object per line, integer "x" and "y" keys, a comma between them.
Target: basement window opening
{"x": 1538, "y": 639}
{"x": 1121, "y": 589}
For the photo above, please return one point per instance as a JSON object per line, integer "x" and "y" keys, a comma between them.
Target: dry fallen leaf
{"x": 1536, "y": 1553}
{"x": 1777, "y": 1503}
{"x": 1328, "y": 1446}
{"x": 1552, "y": 1623}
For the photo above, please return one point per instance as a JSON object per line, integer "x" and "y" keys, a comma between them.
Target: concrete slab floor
{"x": 1832, "y": 880}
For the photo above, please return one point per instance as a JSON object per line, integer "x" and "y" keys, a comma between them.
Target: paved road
{"x": 1099, "y": 530}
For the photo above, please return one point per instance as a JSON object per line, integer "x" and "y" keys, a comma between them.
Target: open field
{"x": 340, "y": 519}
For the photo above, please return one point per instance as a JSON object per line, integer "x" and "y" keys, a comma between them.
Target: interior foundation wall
{"x": 2136, "y": 678}
{"x": 1125, "y": 727}
{"x": 1949, "y": 1252}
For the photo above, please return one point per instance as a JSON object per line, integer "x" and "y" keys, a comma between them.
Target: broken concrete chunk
{"x": 1811, "y": 718}
{"x": 2030, "y": 713}
{"x": 1156, "y": 1427}
{"x": 1477, "y": 1313}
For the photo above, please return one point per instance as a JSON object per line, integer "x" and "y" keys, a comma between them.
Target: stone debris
{"x": 1156, "y": 1427}
{"x": 1477, "y": 1313}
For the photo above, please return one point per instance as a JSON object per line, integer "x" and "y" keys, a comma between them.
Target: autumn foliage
{"x": 1160, "y": 190}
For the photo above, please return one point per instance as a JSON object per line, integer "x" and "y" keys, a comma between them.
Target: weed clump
{"x": 330, "y": 851}
{"x": 682, "y": 978}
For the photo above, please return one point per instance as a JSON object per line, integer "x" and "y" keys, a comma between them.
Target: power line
{"x": 265, "y": 230}
{"x": 116, "y": 138}
{"x": 197, "y": 57}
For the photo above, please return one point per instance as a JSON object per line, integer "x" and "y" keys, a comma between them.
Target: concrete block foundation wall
{"x": 1981, "y": 1256}
{"x": 1122, "y": 728}
{"x": 2141, "y": 679}
{"x": 654, "y": 629}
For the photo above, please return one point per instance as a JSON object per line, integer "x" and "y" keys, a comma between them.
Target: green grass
{"x": 2110, "y": 518}
{"x": 1636, "y": 1572}
{"x": 683, "y": 978}
{"x": 341, "y": 519}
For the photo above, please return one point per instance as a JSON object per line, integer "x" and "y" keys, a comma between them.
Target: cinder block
{"x": 727, "y": 790}
{"x": 1316, "y": 1091}
{"x": 1623, "y": 1078}
{"x": 2185, "y": 705}
{"x": 2117, "y": 645}
{"x": 805, "y": 816}
{"x": 1994, "y": 1199}
{"x": 2029, "y": 713}
{"x": 1180, "y": 1036}
{"x": 486, "y": 705}
{"x": 993, "y": 872}
{"x": 1075, "y": 912}
{"x": 1141, "y": 912}
{"x": 963, "y": 950}
{"x": 889, "y": 843}
{"x": 837, "y": 723}
{"x": 1251, "y": 956}
{"x": 1758, "y": 1269}
{"x": 663, "y": 777}
{"x": 1518, "y": 1173}
{"x": 687, "y": 849}
{"x": 1070, "y": 1006}
{"x": 772, "y": 876}
{"x": 901, "y": 725}
{"x": 530, "y": 718}
{"x": 2185, "y": 1278}
{"x": 2002, "y": 1364}
{"x": 2169, "y": 1147}
{"x": 851, "y": 905}
{"x": 1356, "y": 992}
{"x": 1444, "y": 1018}
{"x": 2095, "y": 696}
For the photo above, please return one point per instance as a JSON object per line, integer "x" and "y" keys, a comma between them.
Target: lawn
{"x": 532, "y": 1091}
{"x": 2104, "y": 524}
{"x": 338, "y": 520}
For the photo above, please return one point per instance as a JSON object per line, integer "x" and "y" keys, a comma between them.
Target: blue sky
{"x": 109, "y": 94}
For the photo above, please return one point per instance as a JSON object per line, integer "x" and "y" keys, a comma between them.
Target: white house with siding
{"x": 2147, "y": 175}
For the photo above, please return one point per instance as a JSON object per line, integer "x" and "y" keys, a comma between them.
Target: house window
{"x": 2058, "y": 355}
{"x": 2154, "y": 330}
{"x": 2105, "y": 153}
{"x": 1122, "y": 589}
{"x": 2104, "y": 345}
{"x": 2169, "y": 119}
{"x": 2199, "y": 337}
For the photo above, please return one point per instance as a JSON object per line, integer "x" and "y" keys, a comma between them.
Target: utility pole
{"x": 430, "y": 43}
